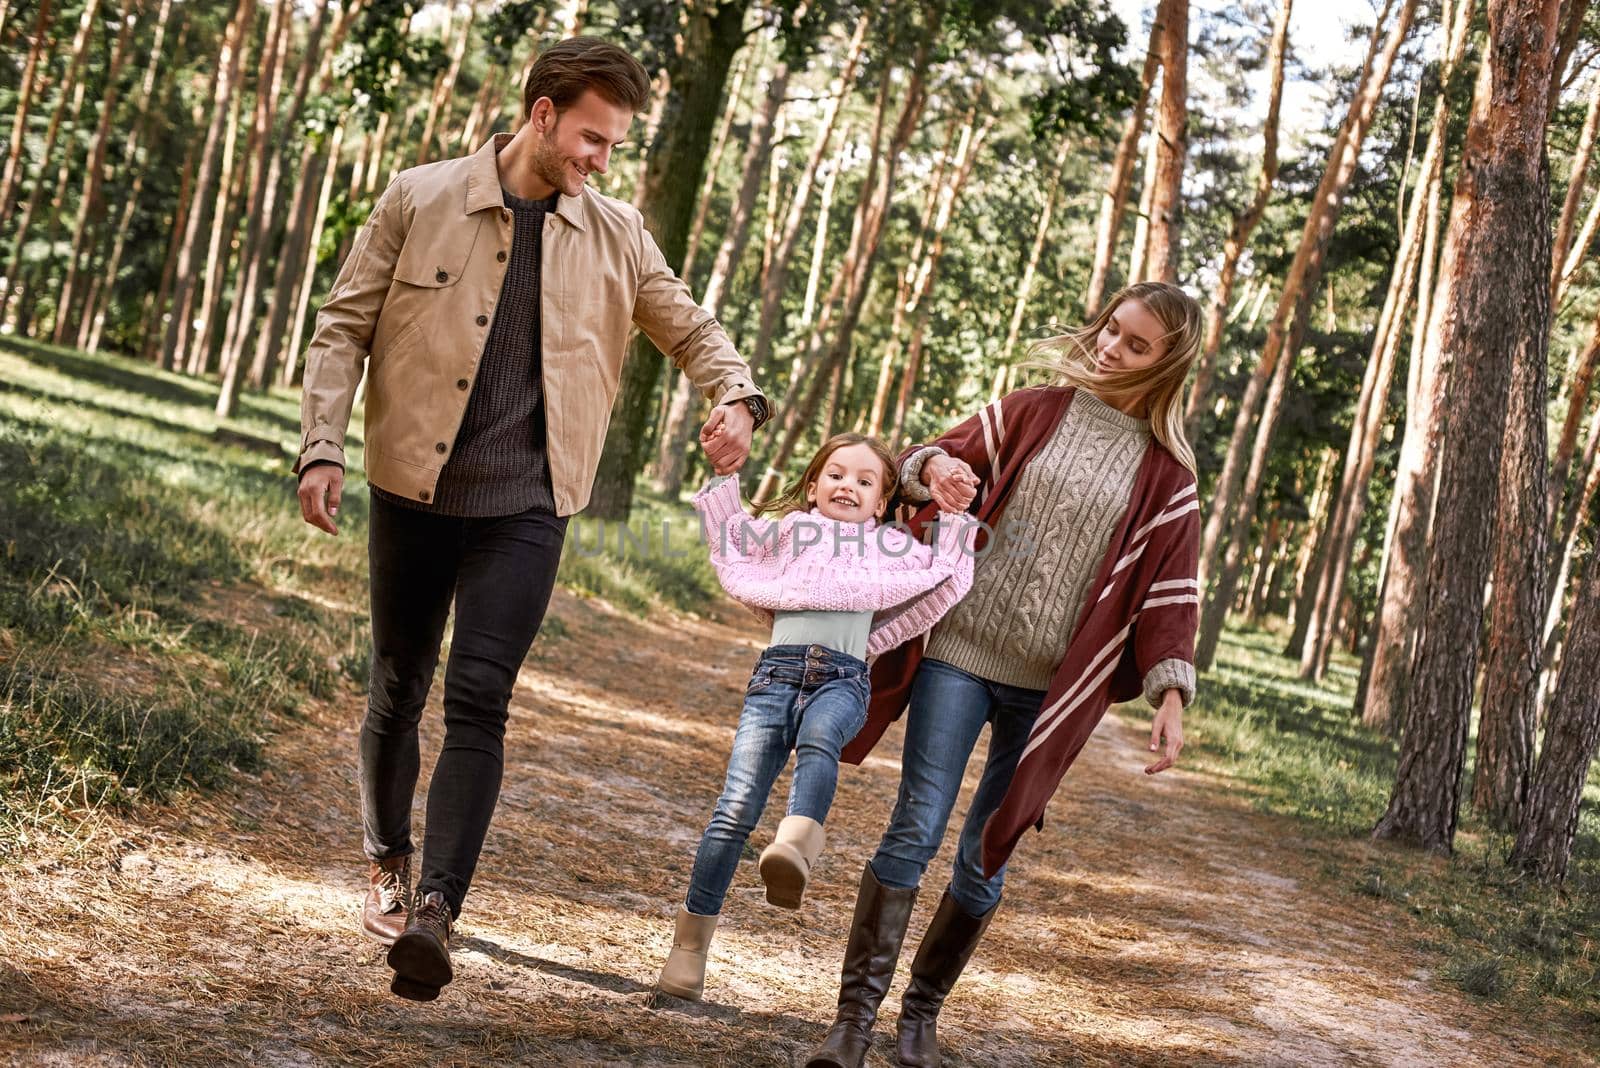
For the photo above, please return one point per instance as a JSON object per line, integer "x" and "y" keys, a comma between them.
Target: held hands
{"x": 726, "y": 436}
{"x": 1169, "y": 725}
{"x": 950, "y": 481}
{"x": 320, "y": 489}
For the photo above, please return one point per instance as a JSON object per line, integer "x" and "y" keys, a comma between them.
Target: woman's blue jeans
{"x": 808, "y": 699}
{"x": 948, "y": 710}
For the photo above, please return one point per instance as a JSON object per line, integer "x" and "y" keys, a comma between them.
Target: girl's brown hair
{"x": 793, "y": 499}
{"x": 1068, "y": 360}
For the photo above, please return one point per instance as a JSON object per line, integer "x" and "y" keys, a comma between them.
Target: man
{"x": 494, "y": 294}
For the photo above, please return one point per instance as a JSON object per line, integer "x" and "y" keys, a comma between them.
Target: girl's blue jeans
{"x": 807, "y": 699}
{"x": 947, "y": 712}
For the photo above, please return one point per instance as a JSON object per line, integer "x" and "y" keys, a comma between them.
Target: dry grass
{"x": 1153, "y": 922}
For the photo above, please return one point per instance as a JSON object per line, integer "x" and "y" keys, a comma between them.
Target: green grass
{"x": 120, "y": 514}
{"x": 1296, "y": 750}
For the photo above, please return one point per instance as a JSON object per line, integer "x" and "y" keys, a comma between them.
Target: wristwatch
{"x": 758, "y": 409}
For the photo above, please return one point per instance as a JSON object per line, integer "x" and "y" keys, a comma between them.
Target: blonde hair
{"x": 1068, "y": 360}
{"x": 793, "y": 499}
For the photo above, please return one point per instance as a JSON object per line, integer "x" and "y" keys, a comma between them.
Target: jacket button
{"x": 501, "y": 256}
{"x": 461, "y": 383}
{"x": 441, "y": 447}
{"x": 483, "y": 320}
{"x": 442, "y": 276}
{"x": 423, "y": 496}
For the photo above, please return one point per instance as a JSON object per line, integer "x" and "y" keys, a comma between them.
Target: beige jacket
{"x": 418, "y": 292}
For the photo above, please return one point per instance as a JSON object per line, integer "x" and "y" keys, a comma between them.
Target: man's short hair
{"x": 565, "y": 70}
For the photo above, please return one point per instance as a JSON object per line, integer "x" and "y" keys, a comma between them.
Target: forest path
{"x": 1155, "y": 921}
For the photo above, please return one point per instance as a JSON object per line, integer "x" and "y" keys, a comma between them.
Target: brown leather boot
{"x": 420, "y": 957}
{"x": 876, "y": 931}
{"x": 383, "y": 915}
{"x": 944, "y": 952}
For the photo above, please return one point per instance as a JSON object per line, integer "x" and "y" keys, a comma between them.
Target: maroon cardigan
{"x": 1142, "y": 608}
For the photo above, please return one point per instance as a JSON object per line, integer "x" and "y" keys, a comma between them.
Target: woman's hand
{"x": 1169, "y": 725}
{"x": 950, "y": 481}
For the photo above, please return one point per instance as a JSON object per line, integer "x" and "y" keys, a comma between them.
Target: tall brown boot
{"x": 876, "y": 931}
{"x": 946, "y": 947}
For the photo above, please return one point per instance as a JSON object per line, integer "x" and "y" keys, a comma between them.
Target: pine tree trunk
{"x": 439, "y": 102}
{"x": 1114, "y": 199}
{"x": 859, "y": 263}
{"x": 223, "y": 222}
{"x": 1314, "y": 647}
{"x": 1035, "y": 252}
{"x": 1575, "y": 182}
{"x": 1550, "y": 817}
{"x": 966, "y": 155}
{"x": 32, "y": 75}
{"x": 1138, "y": 253}
{"x": 94, "y": 174}
{"x": 151, "y": 347}
{"x": 776, "y": 269}
{"x": 105, "y": 281}
{"x": 1502, "y": 245}
{"x": 69, "y": 89}
{"x": 272, "y": 217}
{"x": 258, "y": 211}
{"x": 1172, "y": 141}
{"x": 819, "y": 243}
{"x": 1243, "y": 227}
{"x": 1515, "y": 635}
{"x": 685, "y": 406}
{"x": 1583, "y": 376}
{"x": 960, "y": 125}
{"x": 179, "y": 338}
{"x": 677, "y": 161}
{"x": 1566, "y": 543}
{"x": 306, "y": 282}
{"x": 1282, "y": 345}
{"x": 697, "y": 228}
{"x": 304, "y": 205}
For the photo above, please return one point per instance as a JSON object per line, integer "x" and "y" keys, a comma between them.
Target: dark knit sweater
{"x": 499, "y": 464}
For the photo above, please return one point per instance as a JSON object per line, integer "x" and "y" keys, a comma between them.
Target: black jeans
{"x": 499, "y": 571}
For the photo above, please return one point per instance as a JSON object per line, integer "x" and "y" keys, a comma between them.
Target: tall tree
{"x": 1114, "y": 198}
{"x": 698, "y": 74}
{"x": 89, "y": 209}
{"x": 11, "y": 177}
{"x": 179, "y": 335}
{"x": 1499, "y": 242}
{"x": 786, "y": 235}
{"x": 1232, "y": 508}
{"x": 69, "y": 88}
{"x": 1172, "y": 143}
{"x": 671, "y": 451}
{"x": 1550, "y": 817}
{"x": 1314, "y": 627}
{"x": 1243, "y": 226}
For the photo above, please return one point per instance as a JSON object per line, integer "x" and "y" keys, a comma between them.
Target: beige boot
{"x": 684, "y": 974}
{"x": 786, "y": 863}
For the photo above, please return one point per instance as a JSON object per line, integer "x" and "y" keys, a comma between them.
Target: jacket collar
{"x": 483, "y": 185}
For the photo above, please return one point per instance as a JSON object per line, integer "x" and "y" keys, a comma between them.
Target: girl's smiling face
{"x": 850, "y": 487}
{"x": 1131, "y": 340}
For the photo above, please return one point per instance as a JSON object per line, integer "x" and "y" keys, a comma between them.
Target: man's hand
{"x": 726, "y": 436}
{"x": 1169, "y": 725}
{"x": 320, "y": 489}
{"x": 950, "y": 481}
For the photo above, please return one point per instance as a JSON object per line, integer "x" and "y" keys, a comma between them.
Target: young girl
{"x": 836, "y": 587}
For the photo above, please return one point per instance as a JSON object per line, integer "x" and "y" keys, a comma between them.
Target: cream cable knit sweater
{"x": 1028, "y": 588}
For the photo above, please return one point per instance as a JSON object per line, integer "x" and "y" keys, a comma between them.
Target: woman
{"x": 1085, "y": 595}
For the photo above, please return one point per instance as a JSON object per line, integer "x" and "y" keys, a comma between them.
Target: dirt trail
{"x": 1153, "y": 922}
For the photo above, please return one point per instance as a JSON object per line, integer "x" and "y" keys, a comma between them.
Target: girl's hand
{"x": 951, "y": 482}
{"x": 1169, "y": 725}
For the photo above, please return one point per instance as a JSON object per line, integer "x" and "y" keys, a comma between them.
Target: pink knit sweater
{"x": 808, "y": 562}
